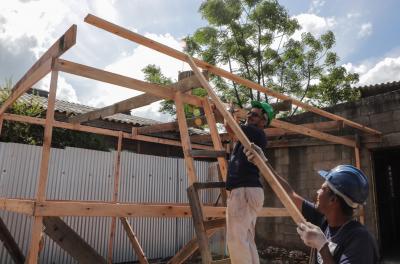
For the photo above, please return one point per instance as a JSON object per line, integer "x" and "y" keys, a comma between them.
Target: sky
{"x": 366, "y": 31}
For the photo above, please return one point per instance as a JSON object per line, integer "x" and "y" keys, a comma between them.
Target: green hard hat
{"x": 266, "y": 108}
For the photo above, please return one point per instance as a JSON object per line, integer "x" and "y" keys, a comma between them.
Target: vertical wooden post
{"x": 215, "y": 137}
{"x": 1, "y": 123}
{"x": 37, "y": 225}
{"x": 361, "y": 216}
{"x": 186, "y": 146}
{"x": 223, "y": 165}
{"x": 117, "y": 164}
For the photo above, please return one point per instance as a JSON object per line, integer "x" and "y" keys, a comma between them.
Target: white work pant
{"x": 243, "y": 205}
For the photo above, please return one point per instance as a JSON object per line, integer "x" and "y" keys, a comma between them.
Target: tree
{"x": 254, "y": 39}
{"x": 153, "y": 74}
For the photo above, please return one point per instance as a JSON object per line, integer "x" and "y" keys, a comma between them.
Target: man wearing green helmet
{"x": 246, "y": 196}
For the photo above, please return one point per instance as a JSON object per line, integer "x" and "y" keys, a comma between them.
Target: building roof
{"x": 69, "y": 108}
{"x": 374, "y": 89}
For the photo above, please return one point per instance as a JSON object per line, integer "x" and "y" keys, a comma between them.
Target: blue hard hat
{"x": 348, "y": 182}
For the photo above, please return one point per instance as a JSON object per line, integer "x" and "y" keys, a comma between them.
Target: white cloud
{"x": 316, "y": 6}
{"x": 314, "y": 24}
{"x": 353, "y": 15}
{"x": 65, "y": 91}
{"x": 365, "y": 30}
{"x": 384, "y": 70}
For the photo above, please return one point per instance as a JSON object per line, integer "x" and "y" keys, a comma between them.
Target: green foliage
{"x": 254, "y": 38}
{"x": 25, "y": 133}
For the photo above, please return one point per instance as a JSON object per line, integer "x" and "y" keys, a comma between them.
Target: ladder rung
{"x": 201, "y": 153}
{"x": 208, "y": 185}
{"x": 214, "y": 223}
{"x": 221, "y": 261}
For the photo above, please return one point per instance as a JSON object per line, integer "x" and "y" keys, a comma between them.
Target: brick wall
{"x": 299, "y": 165}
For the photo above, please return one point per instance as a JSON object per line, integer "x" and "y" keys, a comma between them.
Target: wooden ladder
{"x": 202, "y": 225}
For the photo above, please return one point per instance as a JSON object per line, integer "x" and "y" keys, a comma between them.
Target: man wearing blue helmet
{"x": 331, "y": 227}
{"x": 246, "y": 196}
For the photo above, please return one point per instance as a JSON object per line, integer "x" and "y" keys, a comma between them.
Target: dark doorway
{"x": 387, "y": 177}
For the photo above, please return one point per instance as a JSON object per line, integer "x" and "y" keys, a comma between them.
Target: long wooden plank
{"x": 169, "y": 126}
{"x": 100, "y": 131}
{"x": 185, "y": 139}
{"x": 278, "y": 132}
{"x": 135, "y": 37}
{"x": 17, "y": 205}
{"x": 163, "y": 91}
{"x": 117, "y": 164}
{"x": 134, "y": 241}
{"x": 223, "y": 165}
{"x": 10, "y": 244}
{"x": 312, "y": 133}
{"x": 198, "y": 222}
{"x": 44, "y": 168}
{"x": 265, "y": 170}
{"x": 84, "y": 208}
{"x": 70, "y": 241}
{"x": 41, "y": 66}
{"x": 134, "y": 102}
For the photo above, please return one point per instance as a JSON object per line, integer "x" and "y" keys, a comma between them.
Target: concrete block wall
{"x": 299, "y": 165}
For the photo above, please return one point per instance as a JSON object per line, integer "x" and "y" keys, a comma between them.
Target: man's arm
{"x": 313, "y": 237}
{"x": 297, "y": 199}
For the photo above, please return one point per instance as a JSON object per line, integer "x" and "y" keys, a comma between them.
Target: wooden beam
{"x": 135, "y": 37}
{"x": 278, "y": 132}
{"x": 264, "y": 168}
{"x": 109, "y": 209}
{"x": 10, "y": 244}
{"x": 134, "y": 241}
{"x": 70, "y": 241}
{"x": 41, "y": 67}
{"x": 185, "y": 139}
{"x": 319, "y": 126}
{"x": 223, "y": 164}
{"x": 44, "y": 169}
{"x": 163, "y": 91}
{"x": 134, "y": 102}
{"x": 117, "y": 164}
{"x": 100, "y": 131}
{"x": 170, "y": 126}
{"x": 17, "y": 205}
{"x": 312, "y": 133}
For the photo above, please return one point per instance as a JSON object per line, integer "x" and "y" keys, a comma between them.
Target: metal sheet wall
{"x": 80, "y": 174}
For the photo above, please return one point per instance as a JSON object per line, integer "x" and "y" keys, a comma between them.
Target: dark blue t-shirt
{"x": 241, "y": 172}
{"x": 354, "y": 244}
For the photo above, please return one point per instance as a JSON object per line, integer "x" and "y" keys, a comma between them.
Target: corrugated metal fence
{"x": 80, "y": 174}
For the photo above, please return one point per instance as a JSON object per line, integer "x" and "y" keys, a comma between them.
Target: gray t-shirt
{"x": 350, "y": 243}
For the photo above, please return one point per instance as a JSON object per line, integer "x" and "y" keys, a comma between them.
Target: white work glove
{"x": 312, "y": 235}
{"x": 250, "y": 153}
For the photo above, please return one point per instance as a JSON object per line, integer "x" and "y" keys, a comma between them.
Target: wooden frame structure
{"x": 41, "y": 209}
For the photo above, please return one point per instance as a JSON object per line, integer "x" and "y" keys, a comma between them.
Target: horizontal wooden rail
{"x": 110, "y": 209}
{"x": 100, "y": 131}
